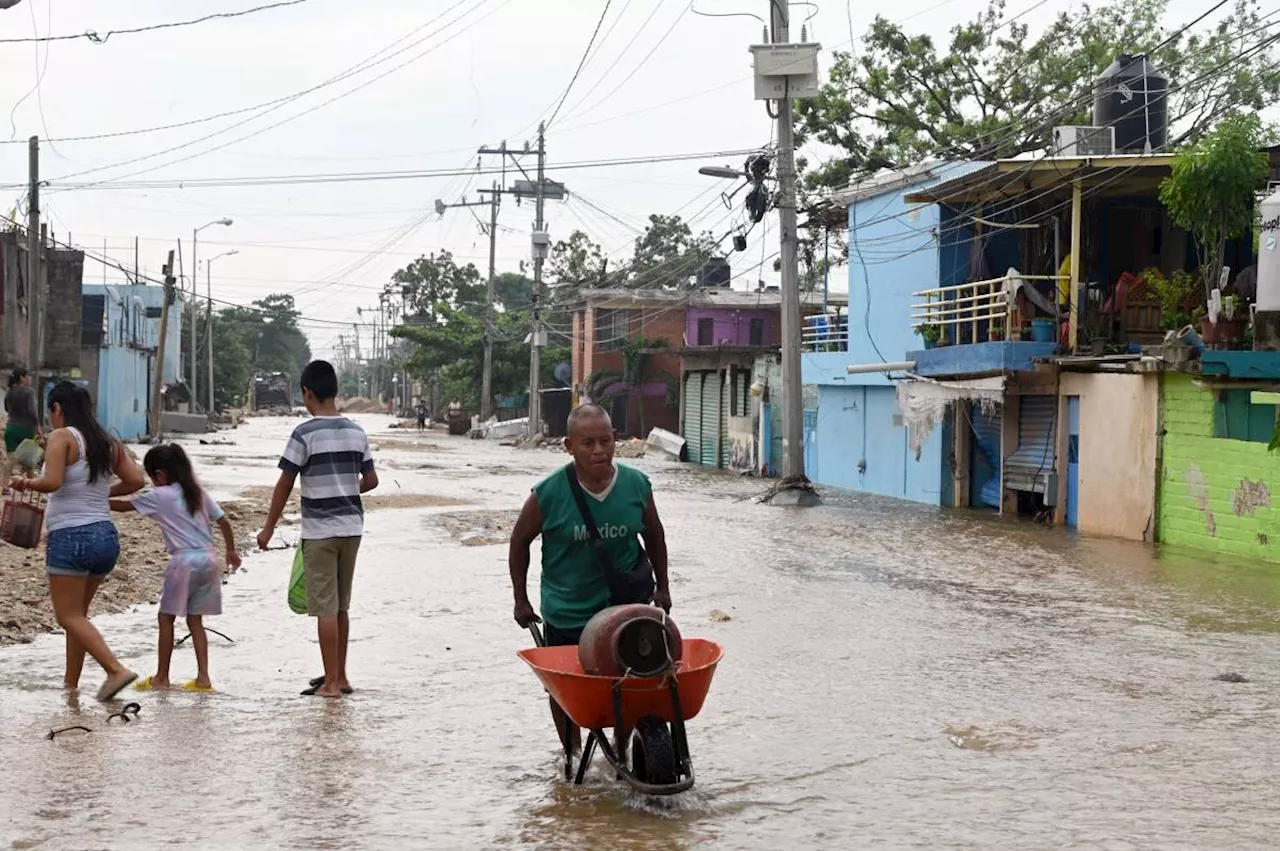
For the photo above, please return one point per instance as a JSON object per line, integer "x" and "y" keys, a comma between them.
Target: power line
{"x": 360, "y": 67}
{"x": 97, "y": 38}
{"x": 583, "y": 61}
{"x": 361, "y": 177}
{"x": 643, "y": 61}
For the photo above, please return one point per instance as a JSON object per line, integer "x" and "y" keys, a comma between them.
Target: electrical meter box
{"x": 786, "y": 70}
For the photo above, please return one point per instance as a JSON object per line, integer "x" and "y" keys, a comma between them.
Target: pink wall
{"x": 733, "y": 326}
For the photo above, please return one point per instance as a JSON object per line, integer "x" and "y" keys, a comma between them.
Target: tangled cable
{"x": 126, "y": 714}
{"x": 178, "y": 643}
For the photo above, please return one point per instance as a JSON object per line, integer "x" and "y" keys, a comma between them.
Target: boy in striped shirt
{"x": 332, "y": 455}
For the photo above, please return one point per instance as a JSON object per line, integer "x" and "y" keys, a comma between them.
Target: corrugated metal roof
{"x": 927, "y": 173}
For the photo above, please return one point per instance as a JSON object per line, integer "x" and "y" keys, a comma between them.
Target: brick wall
{"x": 1215, "y": 494}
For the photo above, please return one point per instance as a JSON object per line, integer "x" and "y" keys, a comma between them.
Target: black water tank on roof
{"x": 715, "y": 273}
{"x": 1133, "y": 97}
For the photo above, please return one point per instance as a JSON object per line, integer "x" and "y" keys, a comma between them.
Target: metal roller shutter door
{"x": 1026, "y": 468}
{"x": 693, "y": 416}
{"x": 710, "y": 418}
{"x": 986, "y": 432}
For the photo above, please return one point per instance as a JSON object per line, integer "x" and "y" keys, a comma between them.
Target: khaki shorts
{"x": 329, "y": 565}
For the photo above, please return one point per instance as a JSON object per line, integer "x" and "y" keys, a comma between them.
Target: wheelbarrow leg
{"x": 588, "y": 751}
{"x": 567, "y": 737}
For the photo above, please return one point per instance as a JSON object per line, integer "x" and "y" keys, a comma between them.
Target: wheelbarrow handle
{"x": 537, "y": 635}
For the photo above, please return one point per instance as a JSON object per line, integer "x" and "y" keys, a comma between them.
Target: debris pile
{"x": 361, "y": 405}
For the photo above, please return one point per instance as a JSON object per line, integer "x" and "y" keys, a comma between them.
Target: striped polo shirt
{"x": 330, "y": 454}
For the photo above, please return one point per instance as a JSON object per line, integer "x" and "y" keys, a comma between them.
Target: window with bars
{"x": 613, "y": 327}
{"x": 755, "y": 333}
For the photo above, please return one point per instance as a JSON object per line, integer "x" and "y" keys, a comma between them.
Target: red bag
{"x": 23, "y": 519}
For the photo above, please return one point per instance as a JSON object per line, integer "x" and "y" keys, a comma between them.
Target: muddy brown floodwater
{"x": 895, "y": 676}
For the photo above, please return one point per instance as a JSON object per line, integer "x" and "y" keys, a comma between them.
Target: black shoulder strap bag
{"x": 626, "y": 585}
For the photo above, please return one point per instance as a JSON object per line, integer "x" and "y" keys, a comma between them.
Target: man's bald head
{"x": 587, "y": 413}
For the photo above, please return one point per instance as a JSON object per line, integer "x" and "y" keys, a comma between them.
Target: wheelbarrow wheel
{"x": 653, "y": 754}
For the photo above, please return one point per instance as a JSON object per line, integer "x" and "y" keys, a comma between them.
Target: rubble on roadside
{"x": 632, "y": 447}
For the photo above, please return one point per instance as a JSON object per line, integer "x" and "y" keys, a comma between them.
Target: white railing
{"x": 824, "y": 332}
{"x": 959, "y": 311}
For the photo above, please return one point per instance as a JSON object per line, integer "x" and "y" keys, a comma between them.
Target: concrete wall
{"x": 128, "y": 325}
{"x": 64, "y": 271}
{"x": 122, "y": 392}
{"x": 892, "y": 254}
{"x": 767, "y": 370}
{"x": 125, "y": 362}
{"x": 1215, "y": 493}
{"x": 861, "y": 427}
{"x": 733, "y": 327}
{"x": 1118, "y": 427}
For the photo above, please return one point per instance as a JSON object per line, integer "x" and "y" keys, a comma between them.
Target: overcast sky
{"x": 661, "y": 81}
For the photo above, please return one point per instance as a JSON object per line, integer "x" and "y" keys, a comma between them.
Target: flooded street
{"x": 895, "y": 676}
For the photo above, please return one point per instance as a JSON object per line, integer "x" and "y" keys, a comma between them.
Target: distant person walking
{"x": 421, "y": 412}
{"x": 82, "y": 544}
{"x": 23, "y": 417}
{"x": 186, "y": 514}
{"x": 332, "y": 455}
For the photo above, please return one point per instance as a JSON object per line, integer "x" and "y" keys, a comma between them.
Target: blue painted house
{"x": 857, "y": 438}
{"x": 119, "y": 342}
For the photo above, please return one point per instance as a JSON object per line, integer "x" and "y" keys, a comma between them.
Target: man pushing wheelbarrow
{"x": 609, "y": 659}
{"x": 588, "y": 566}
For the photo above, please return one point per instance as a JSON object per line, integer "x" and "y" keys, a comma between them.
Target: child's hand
{"x": 233, "y": 560}
{"x": 264, "y": 538}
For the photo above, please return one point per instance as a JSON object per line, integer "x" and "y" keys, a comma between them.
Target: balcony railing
{"x": 974, "y": 312}
{"x": 825, "y": 332}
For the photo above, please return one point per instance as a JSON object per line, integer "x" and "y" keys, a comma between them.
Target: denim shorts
{"x": 89, "y": 550}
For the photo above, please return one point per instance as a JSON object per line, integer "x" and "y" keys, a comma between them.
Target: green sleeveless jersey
{"x": 573, "y": 581}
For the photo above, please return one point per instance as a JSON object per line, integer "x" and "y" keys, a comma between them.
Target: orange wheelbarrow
{"x": 655, "y": 760}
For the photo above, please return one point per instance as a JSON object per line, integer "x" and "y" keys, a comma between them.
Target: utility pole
{"x": 541, "y": 190}
{"x": 541, "y": 246}
{"x": 787, "y": 61}
{"x": 494, "y": 202}
{"x": 34, "y": 250}
{"x": 169, "y": 281}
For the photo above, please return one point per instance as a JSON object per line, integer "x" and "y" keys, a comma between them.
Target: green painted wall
{"x": 1215, "y": 494}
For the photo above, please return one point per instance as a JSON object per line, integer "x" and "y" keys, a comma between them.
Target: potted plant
{"x": 931, "y": 334}
{"x": 1176, "y": 294}
{"x": 995, "y": 332}
{"x": 1210, "y": 193}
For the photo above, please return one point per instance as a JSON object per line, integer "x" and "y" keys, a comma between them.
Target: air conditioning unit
{"x": 1075, "y": 141}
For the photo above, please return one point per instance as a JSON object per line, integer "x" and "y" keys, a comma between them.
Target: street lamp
{"x": 721, "y": 171}
{"x": 208, "y": 283}
{"x": 195, "y": 265}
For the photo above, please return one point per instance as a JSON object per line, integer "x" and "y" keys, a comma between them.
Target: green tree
{"x": 995, "y": 90}
{"x": 1210, "y": 193}
{"x": 667, "y": 254}
{"x": 262, "y": 337}
{"x": 577, "y": 261}
{"x": 455, "y": 345}
{"x": 435, "y": 282}
{"x": 513, "y": 291}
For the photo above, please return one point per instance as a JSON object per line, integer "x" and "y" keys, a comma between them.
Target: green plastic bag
{"x": 28, "y": 454}
{"x": 298, "y": 584}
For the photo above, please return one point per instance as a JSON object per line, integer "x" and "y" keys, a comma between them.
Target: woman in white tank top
{"x": 82, "y": 543}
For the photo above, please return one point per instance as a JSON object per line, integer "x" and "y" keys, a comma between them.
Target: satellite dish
{"x": 563, "y": 373}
